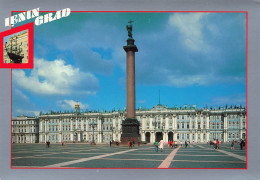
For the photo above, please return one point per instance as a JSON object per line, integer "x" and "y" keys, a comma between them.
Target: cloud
{"x": 21, "y": 104}
{"x": 84, "y": 43}
{"x": 141, "y": 102}
{"x": 70, "y": 104}
{"x": 92, "y": 61}
{"x": 55, "y": 77}
{"x": 27, "y": 112}
{"x": 235, "y": 99}
{"x": 190, "y": 27}
{"x": 220, "y": 56}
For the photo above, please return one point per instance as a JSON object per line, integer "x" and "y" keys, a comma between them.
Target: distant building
{"x": 25, "y": 130}
{"x": 18, "y": 41}
{"x": 179, "y": 124}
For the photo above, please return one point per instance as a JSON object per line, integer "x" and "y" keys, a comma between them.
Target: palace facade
{"x": 198, "y": 125}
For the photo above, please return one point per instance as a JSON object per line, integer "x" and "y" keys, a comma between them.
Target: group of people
{"x": 159, "y": 145}
{"x": 216, "y": 143}
{"x": 111, "y": 142}
{"x": 242, "y": 144}
{"x": 130, "y": 144}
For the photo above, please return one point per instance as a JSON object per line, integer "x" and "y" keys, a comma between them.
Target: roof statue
{"x": 129, "y": 28}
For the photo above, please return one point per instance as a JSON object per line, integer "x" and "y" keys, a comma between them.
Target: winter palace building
{"x": 190, "y": 123}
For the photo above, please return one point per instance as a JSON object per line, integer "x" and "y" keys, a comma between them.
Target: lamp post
{"x": 112, "y": 132}
{"x": 93, "y": 124}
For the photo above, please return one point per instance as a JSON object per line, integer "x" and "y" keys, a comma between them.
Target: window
{"x": 188, "y": 125}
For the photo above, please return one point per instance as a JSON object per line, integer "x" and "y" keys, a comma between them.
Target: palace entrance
{"x": 147, "y": 137}
{"x": 170, "y": 136}
{"x": 159, "y": 136}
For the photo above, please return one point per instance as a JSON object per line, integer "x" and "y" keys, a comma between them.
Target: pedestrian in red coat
{"x": 217, "y": 144}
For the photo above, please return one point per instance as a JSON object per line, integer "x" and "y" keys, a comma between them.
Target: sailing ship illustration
{"x": 14, "y": 51}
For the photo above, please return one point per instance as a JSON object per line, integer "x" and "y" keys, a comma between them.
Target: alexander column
{"x": 130, "y": 126}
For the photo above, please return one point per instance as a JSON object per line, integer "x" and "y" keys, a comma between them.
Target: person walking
{"x": 242, "y": 144}
{"x": 232, "y": 145}
{"x": 169, "y": 144}
{"x": 156, "y": 146}
{"x": 186, "y": 144}
{"x": 128, "y": 144}
{"x": 161, "y": 144}
{"x": 110, "y": 143}
{"x": 217, "y": 144}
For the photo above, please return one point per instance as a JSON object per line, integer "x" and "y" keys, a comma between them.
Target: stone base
{"x": 124, "y": 140}
{"x": 130, "y": 131}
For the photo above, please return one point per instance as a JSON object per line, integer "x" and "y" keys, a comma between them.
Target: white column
{"x": 82, "y": 125}
{"x": 99, "y": 130}
{"x": 165, "y": 136}
{"x": 151, "y": 122}
{"x": 79, "y": 136}
{"x": 142, "y": 136}
{"x": 167, "y": 122}
{"x": 196, "y": 121}
{"x": 175, "y": 136}
{"x": 60, "y": 140}
{"x": 207, "y": 136}
{"x": 45, "y": 127}
{"x": 71, "y": 136}
{"x": 190, "y": 122}
{"x": 225, "y": 128}
{"x": 207, "y": 123}
{"x": 143, "y": 122}
{"x": 175, "y": 123}
{"x": 59, "y": 124}
{"x": 241, "y": 125}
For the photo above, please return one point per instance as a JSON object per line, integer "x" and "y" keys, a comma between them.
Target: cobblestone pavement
{"x": 103, "y": 156}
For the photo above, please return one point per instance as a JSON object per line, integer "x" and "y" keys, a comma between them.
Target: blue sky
{"x": 192, "y": 58}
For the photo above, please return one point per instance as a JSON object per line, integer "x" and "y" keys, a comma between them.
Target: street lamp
{"x": 113, "y": 128}
{"x": 93, "y": 124}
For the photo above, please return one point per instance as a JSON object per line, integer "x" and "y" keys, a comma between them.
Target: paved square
{"x": 103, "y": 156}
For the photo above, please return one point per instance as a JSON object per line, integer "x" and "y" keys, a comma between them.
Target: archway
{"x": 159, "y": 136}
{"x": 147, "y": 137}
{"x": 170, "y": 136}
